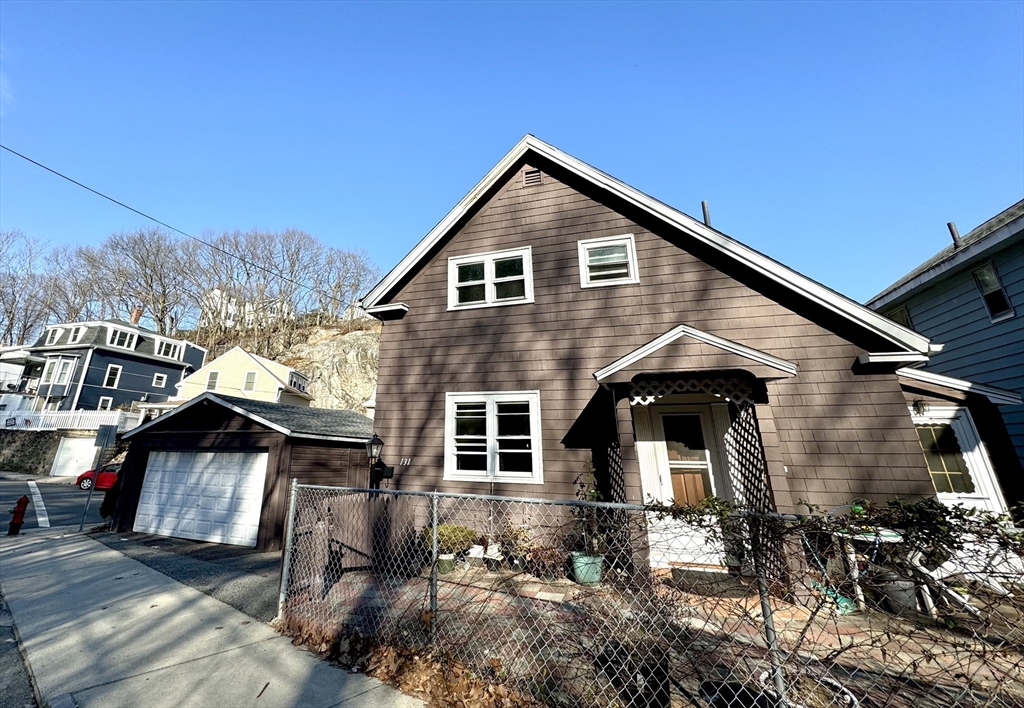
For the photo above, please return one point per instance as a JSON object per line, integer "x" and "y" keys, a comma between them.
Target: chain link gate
{"x": 570, "y": 603}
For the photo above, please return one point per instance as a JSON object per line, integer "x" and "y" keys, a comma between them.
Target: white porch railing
{"x": 68, "y": 420}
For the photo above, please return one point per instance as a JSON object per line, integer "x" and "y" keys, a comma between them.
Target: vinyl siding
{"x": 952, "y": 312}
{"x": 136, "y": 380}
{"x": 840, "y": 435}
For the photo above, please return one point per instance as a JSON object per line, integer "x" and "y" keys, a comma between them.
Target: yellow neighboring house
{"x": 239, "y": 373}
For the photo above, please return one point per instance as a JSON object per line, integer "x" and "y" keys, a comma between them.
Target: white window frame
{"x": 64, "y": 374}
{"x": 52, "y": 336}
{"x": 625, "y": 239}
{"x": 48, "y": 370}
{"x": 491, "y": 398}
{"x": 105, "y": 404}
{"x": 76, "y": 335}
{"x": 216, "y": 381}
{"x": 117, "y": 379}
{"x": 129, "y": 344}
{"x": 159, "y": 380}
{"x": 999, "y": 281}
{"x": 489, "y": 258}
{"x": 987, "y": 494}
{"x": 176, "y": 346}
{"x": 245, "y": 381}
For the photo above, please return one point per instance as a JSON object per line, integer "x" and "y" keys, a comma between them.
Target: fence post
{"x": 287, "y": 559}
{"x": 766, "y": 614}
{"x": 433, "y": 566}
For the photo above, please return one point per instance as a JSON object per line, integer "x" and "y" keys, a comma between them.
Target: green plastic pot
{"x": 586, "y": 569}
{"x": 446, "y": 563}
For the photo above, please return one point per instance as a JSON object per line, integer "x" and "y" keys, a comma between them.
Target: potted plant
{"x": 589, "y": 541}
{"x": 452, "y": 541}
{"x": 515, "y": 543}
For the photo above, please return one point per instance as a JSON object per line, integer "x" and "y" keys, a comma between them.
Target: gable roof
{"x": 980, "y": 239}
{"x": 785, "y": 368}
{"x": 267, "y": 365}
{"x": 804, "y": 286}
{"x": 294, "y": 421}
{"x": 999, "y": 396}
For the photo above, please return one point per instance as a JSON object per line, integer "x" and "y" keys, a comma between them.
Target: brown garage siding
{"x": 556, "y": 344}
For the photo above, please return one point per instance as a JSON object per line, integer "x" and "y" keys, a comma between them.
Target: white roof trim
{"x": 892, "y": 358}
{"x": 975, "y": 250}
{"x": 715, "y": 341}
{"x": 208, "y": 396}
{"x": 803, "y": 285}
{"x": 381, "y": 309}
{"x": 999, "y": 396}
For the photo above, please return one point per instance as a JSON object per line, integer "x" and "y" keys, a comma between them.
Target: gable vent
{"x": 531, "y": 178}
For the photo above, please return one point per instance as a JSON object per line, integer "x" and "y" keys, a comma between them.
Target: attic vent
{"x": 531, "y": 178}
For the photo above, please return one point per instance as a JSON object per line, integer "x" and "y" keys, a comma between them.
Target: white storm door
{"x": 205, "y": 496}
{"x": 680, "y": 463}
{"x": 959, "y": 465}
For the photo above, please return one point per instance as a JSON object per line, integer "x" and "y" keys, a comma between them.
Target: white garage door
{"x": 206, "y": 496}
{"x": 74, "y": 456}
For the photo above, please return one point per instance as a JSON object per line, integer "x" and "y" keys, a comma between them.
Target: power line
{"x": 165, "y": 224}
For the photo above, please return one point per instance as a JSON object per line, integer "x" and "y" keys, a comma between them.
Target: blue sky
{"x": 837, "y": 138}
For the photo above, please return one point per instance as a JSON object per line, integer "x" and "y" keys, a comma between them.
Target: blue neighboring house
{"x": 107, "y": 364}
{"x": 970, "y": 297}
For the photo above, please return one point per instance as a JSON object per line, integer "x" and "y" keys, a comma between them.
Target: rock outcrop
{"x": 341, "y": 365}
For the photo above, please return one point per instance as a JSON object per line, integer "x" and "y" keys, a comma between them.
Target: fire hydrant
{"x": 19, "y": 516}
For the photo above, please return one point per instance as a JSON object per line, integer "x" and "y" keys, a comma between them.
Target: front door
{"x": 681, "y": 463}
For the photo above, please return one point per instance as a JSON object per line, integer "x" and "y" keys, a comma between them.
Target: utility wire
{"x": 165, "y": 224}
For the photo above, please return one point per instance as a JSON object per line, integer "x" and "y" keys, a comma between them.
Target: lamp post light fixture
{"x": 378, "y": 470}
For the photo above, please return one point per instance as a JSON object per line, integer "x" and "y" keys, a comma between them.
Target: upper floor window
{"x": 53, "y": 335}
{"x": 992, "y": 293}
{"x": 121, "y": 338}
{"x": 48, "y": 371}
{"x": 159, "y": 380}
{"x": 211, "y": 380}
{"x": 298, "y": 382}
{"x": 608, "y": 261}
{"x": 900, "y": 316}
{"x": 112, "y": 377}
{"x": 493, "y": 437}
{"x": 490, "y": 279}
{"x": 63, "y": 372}
{"x": 76, "y": 335}
{"x": 168, "y": 349}
{"x": 250, "y": 381}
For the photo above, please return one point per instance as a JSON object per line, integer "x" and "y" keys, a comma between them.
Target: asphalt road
{"x": 64, "y": 504}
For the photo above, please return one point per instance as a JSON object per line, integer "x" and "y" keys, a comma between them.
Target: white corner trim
{"x": 715, "y": 341}
{"x": 383, "y": 309}
{"x": 892, "y": 358}
{"x": 999, "y": 396}
{"x": 816, "y": 292}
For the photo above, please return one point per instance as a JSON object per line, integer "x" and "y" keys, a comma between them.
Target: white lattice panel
{"x": 647, "y": 392}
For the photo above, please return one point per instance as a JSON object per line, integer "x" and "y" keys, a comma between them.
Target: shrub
{"x": 451, "y": 538}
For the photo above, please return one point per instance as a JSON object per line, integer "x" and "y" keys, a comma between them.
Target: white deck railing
{"x": 68, "y": 420}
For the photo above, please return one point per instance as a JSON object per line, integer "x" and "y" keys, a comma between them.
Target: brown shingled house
{"x": 557, "y": 318}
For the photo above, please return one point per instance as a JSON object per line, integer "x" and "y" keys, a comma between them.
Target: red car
{"x": 108, "y": 475}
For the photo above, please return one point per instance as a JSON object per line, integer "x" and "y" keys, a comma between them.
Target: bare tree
{"x": 23, "y": 295}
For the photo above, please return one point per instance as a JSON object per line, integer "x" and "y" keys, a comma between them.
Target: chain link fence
{"x": 594, "y": 604}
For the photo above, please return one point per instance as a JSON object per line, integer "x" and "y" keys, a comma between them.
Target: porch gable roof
{"x": 736, "y": 355}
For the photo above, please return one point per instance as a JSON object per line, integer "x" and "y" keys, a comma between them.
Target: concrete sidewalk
{"x": 41, "y": 479}
{"x": 100, "y": 629}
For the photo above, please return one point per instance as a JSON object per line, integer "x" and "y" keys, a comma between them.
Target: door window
{"x": 688, "y": 460}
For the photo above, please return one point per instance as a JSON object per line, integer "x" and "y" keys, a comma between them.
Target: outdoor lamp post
{"x": 378, "y": 470}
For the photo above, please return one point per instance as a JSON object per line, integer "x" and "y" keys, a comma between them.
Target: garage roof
{"x": 295, "y": 421}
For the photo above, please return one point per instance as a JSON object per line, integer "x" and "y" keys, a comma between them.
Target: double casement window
{"x": 168, "y": 350}
{"x": 112, "y": 377}
{"x": 608, "y": 261}
{"x": 996, "y": 302}
{"x": 490, "y": 279}
{"x": 121, "y": 338}
{"x": 493, "y": 437}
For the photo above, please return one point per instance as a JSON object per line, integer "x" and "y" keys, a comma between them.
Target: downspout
{"x": 81, "y": 380}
